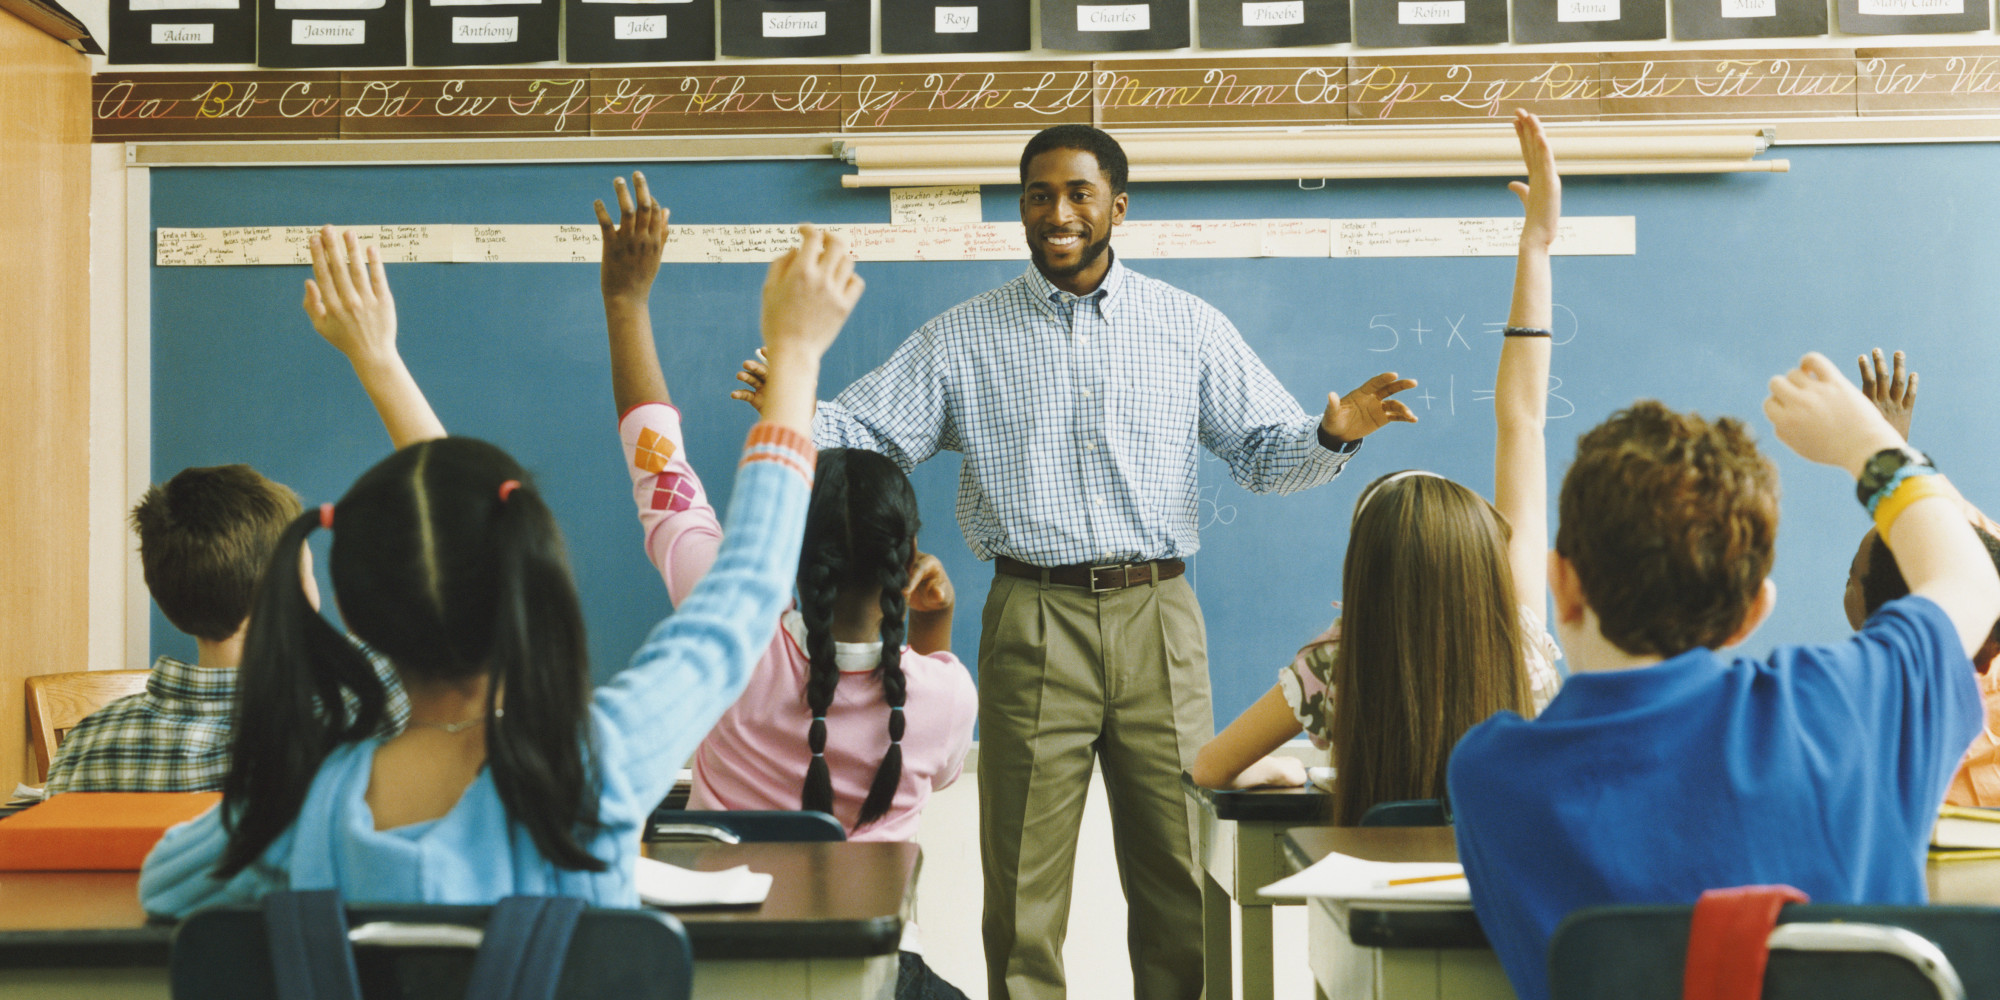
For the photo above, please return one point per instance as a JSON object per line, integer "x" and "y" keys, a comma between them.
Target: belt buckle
{"x": 1124, "y": 577}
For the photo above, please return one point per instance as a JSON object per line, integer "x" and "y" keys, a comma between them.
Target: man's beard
{"x": 1083, "y": 261}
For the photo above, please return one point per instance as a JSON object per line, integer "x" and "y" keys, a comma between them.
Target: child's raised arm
{"x": 1520, "y": 459}
{"x": 349, "y": 304}
{"x": 807, "y": 296}
{"x": 632, "y": 249}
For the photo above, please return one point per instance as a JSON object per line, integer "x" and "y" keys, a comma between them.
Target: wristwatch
{"x": 1881, "y": 468}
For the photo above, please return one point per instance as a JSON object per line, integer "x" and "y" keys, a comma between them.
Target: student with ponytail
{"x": 512, "y": 775}
{"x": 850, "y": 711}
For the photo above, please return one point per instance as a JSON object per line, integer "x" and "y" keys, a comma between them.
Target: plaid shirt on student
{"x": 172, "y": 737}
{"x": 1082, "y": 418}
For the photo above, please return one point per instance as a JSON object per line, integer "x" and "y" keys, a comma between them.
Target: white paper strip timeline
{"x": 914, "y": 241}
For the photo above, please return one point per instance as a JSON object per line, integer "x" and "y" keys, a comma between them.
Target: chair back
{"x": 1822, "y": 952}
{"x": 420, "y": 952}
{"x": 57, "y": 702}
{"x": 1412, "y": 812}
{"x": 742, "y": 827}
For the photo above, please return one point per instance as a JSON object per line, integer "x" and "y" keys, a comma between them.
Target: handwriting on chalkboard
{"x": 1416, "y": 336}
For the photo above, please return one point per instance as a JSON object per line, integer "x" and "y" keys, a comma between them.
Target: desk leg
{"x": 1257, "y": 958}
{"x": 1217, "y": 946}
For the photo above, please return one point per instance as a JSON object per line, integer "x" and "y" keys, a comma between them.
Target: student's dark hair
{"x": 1883, "y": 581}
{"x": 1098, "y": 143}
{"x": 861, "y": 534}
{"x": 449, "y": 577}
{"x": 1671, "y": 522}
{"x": 204, "y": 537}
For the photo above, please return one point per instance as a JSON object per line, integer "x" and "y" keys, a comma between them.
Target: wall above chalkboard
{"x": 838, "y": 100}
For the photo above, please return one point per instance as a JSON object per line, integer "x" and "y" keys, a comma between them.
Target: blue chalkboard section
{"x": 1735, "y": 277}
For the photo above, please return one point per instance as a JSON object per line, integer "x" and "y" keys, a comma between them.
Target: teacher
{"x": 1081, "y": 394}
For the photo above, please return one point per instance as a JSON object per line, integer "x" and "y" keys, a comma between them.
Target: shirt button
{"x": 1087, "y": 446}
{"x": 1086, "y": 393}
{"x": 1096, "y": 500}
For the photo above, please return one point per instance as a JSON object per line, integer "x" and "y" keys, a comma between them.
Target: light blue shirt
{"x": 1082, "y": 417}
{"x": 644, "y": 724}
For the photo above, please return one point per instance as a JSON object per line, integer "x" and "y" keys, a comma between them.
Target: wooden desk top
{"x": 827, "y": 901}
{"x": 1310, "y": 804}
{"x": 1373, "y": 928}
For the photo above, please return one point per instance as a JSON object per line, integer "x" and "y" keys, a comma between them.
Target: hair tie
{"x": 326, "y": 516}
{"x": 507, "y": 489}
{"x": 895, "y": 708}
{"x": 1362, "y": 504}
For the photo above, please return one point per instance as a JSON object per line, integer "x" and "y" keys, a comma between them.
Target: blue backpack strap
{"x": 311, "y": 958}
{"x": 521, "y": 957}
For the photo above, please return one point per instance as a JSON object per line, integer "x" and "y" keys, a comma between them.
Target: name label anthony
{"x": 1114, "y": 17}
{"x": 1431, "y": 12}
{"x": 183, "y": 34}
{"x": 485, "y": 31}
{"x": 1749, "y": 8}
{"x": 1260, "y": 15}
{"x": 1911, "y": 8}
{"x": 640, "y": 26}
{"x": 957, "y": 20}
{"x": 1586, "y": 10}
{"x": 329, "y": 32}
{"x": 807, "y": 24}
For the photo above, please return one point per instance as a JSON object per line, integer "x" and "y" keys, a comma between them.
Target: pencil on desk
{"x": 1423, "y": 878}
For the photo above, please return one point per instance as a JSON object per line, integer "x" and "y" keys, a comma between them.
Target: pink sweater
{"x": 756, "y": 756}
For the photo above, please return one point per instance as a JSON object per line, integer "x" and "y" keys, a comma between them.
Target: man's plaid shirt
{"x": 172, "y": 737}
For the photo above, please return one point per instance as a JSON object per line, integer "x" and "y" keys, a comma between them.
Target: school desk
{"x": 829, "y": 929}
{"x": 1379, "y": 952}
{"x": 1237, "y": 844}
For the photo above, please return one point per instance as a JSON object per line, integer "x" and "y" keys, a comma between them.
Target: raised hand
{"x": 929, "y": 589}
{"x": 1367, "y": 409}
{"x": 1821, "y": 415}
{"x": 1541, "y": 196}
{"x": 348, "y": 301}
{"x": 808, "y": 293}
{"x": 753, "y": 374}
{"x": 632, "y": 245}
{"x": 1894, "y": 394}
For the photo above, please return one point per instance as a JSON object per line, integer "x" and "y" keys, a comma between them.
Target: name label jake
{"x": 329, "y": 32}
{"x": 803, "y": 24}
{"x": 1269, "y": 14}
{"x": 640, "y": 26}
{"x": 1114, "y": 17}
{"x": 957, "y": 21}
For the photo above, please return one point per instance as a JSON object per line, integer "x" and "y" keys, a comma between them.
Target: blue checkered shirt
{"x": 1081, "y": 418}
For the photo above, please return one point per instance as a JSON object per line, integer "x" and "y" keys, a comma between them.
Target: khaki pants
{"x": 1066, "y": 676}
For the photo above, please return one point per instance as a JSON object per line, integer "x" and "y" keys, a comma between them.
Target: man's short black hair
{"x": 1110, "y": 156}
{"x": 1883, "y": 582}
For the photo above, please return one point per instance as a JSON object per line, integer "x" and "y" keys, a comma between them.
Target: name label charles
{"x": 1114, "y": 17}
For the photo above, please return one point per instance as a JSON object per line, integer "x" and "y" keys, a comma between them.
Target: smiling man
{"x": 1081, "y": 394}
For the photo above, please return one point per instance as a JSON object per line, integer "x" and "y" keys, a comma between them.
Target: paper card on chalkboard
{"x": 1272, "y": 24}
{"x": 1114, "y": 25}
{"x": 1705, "y": 19}
{"x": 484, "y": 32}
{"x": 301, "y": 34}
{"x": 955, "y": 26}
{"x": 1538, "y": 21}
{"x": 795, "y": 27}
{"x": 654, "y": 31}
{"x": 1913, "y": 17}
{"x": 183, "y": 31}
{"x": 1416, "y": 23}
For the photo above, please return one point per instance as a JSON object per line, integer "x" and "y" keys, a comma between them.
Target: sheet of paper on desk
{"x": 662, "y": 884}
{"x": 1338, "y": 876}
{"x": 25, "y": 794}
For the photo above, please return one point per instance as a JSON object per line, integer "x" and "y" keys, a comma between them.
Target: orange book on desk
{"x": 95, "y": 831}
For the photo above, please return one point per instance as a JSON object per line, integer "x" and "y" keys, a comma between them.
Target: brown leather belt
{"x": 1096, "y": 579}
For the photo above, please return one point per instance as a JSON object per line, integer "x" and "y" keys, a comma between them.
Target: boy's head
{"x": 204, "y": 537}
{"x": 1874, "y": 579}
{"x": 1669, "y": 522}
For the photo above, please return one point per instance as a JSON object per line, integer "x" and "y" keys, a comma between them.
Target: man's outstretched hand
{"x": 1367, "y": 409}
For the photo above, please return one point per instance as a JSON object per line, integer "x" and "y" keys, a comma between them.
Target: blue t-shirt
{"x": 1821, "y": 767}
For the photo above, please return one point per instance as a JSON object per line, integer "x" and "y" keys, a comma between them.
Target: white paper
{"x": 1114, "y": 17}
{"x": 955, "y": 20}
{"x": 329, "y": 32}
{"x": 1263, "y": 15}
{"x": 139, "y": 5}
{"x": 800, "y": 24}
{"x": 485, "y": 30}
{"x": 1749, "y": 8}
{"x": 1296, "y": 238}
{"x": 1431, "y": 12}
{"x": 26, "y": 793}
{"x": 1571, "y": 11}
{"x": 481, "y": 3}
{"x": 1911, "y": 8}
{"x": 1338, "y": 876}
{"x": 934, "y": 204}
{"x": 183, "y": 34}
{"x": 639, "y": 26}
{"x": 662, "y": 884}
{"x": 330, "y": 4}
{"x": 1496, "y": 237}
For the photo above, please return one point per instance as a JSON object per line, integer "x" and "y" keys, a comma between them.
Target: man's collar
{"x": 174, "y": 680}
{"x": 1106, "y": 293}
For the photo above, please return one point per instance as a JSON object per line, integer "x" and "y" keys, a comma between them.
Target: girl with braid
{"x": 852, "y": 710}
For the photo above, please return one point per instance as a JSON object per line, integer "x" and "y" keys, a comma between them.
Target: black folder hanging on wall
{"x": 655, "y": 31}
{"x": 305, "y": 34}
{"x": 484, "y": 32}
{"x": 183, "y": 31}
{"x": 946, "y": 26}
{"x": 786, "y": 28}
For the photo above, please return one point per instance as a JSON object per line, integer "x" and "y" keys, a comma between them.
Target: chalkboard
{"x": 1735, "y": 277}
